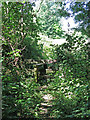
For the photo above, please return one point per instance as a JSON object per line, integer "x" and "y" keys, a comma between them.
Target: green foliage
{"x": 81, "y": 12}
{"x": 32, "y": 49}
{"x": 50, "y": 15}
{"x": 19, "y": 32}
{"x": 72, "y": 80}
{"x": 72, "y": 53}
{"x": 50, "y": 52}
{"x": 19, "y": 96}
{"x": 20, "y": 20}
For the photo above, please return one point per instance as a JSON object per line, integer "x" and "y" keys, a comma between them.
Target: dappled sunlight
{"x": 45, "y": 61}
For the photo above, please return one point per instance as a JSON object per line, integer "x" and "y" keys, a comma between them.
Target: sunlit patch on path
{"x": 46, "y": 105}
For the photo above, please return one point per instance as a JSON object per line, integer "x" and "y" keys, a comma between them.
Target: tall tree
{"x": 50, "y": 15}
{"x": 81, "y": 12}
{"x": 19, "y": 26}
{"x": 20, "y": 33}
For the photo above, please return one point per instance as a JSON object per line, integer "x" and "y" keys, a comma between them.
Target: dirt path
{"x": 46, "y": 106}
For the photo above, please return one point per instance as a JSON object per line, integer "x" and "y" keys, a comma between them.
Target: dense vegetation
{"x": 69, "y": 81}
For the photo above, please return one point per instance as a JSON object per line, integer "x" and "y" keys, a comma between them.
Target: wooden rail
{"x": 40, "y": 67}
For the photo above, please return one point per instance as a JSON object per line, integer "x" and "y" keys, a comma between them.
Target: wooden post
{"x": 39, "y": 70}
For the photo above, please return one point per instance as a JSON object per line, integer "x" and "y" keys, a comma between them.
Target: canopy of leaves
{"x": 81, "y": 12}
{"x": 50, "y": 15}
{"x": 20, "y": 20}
